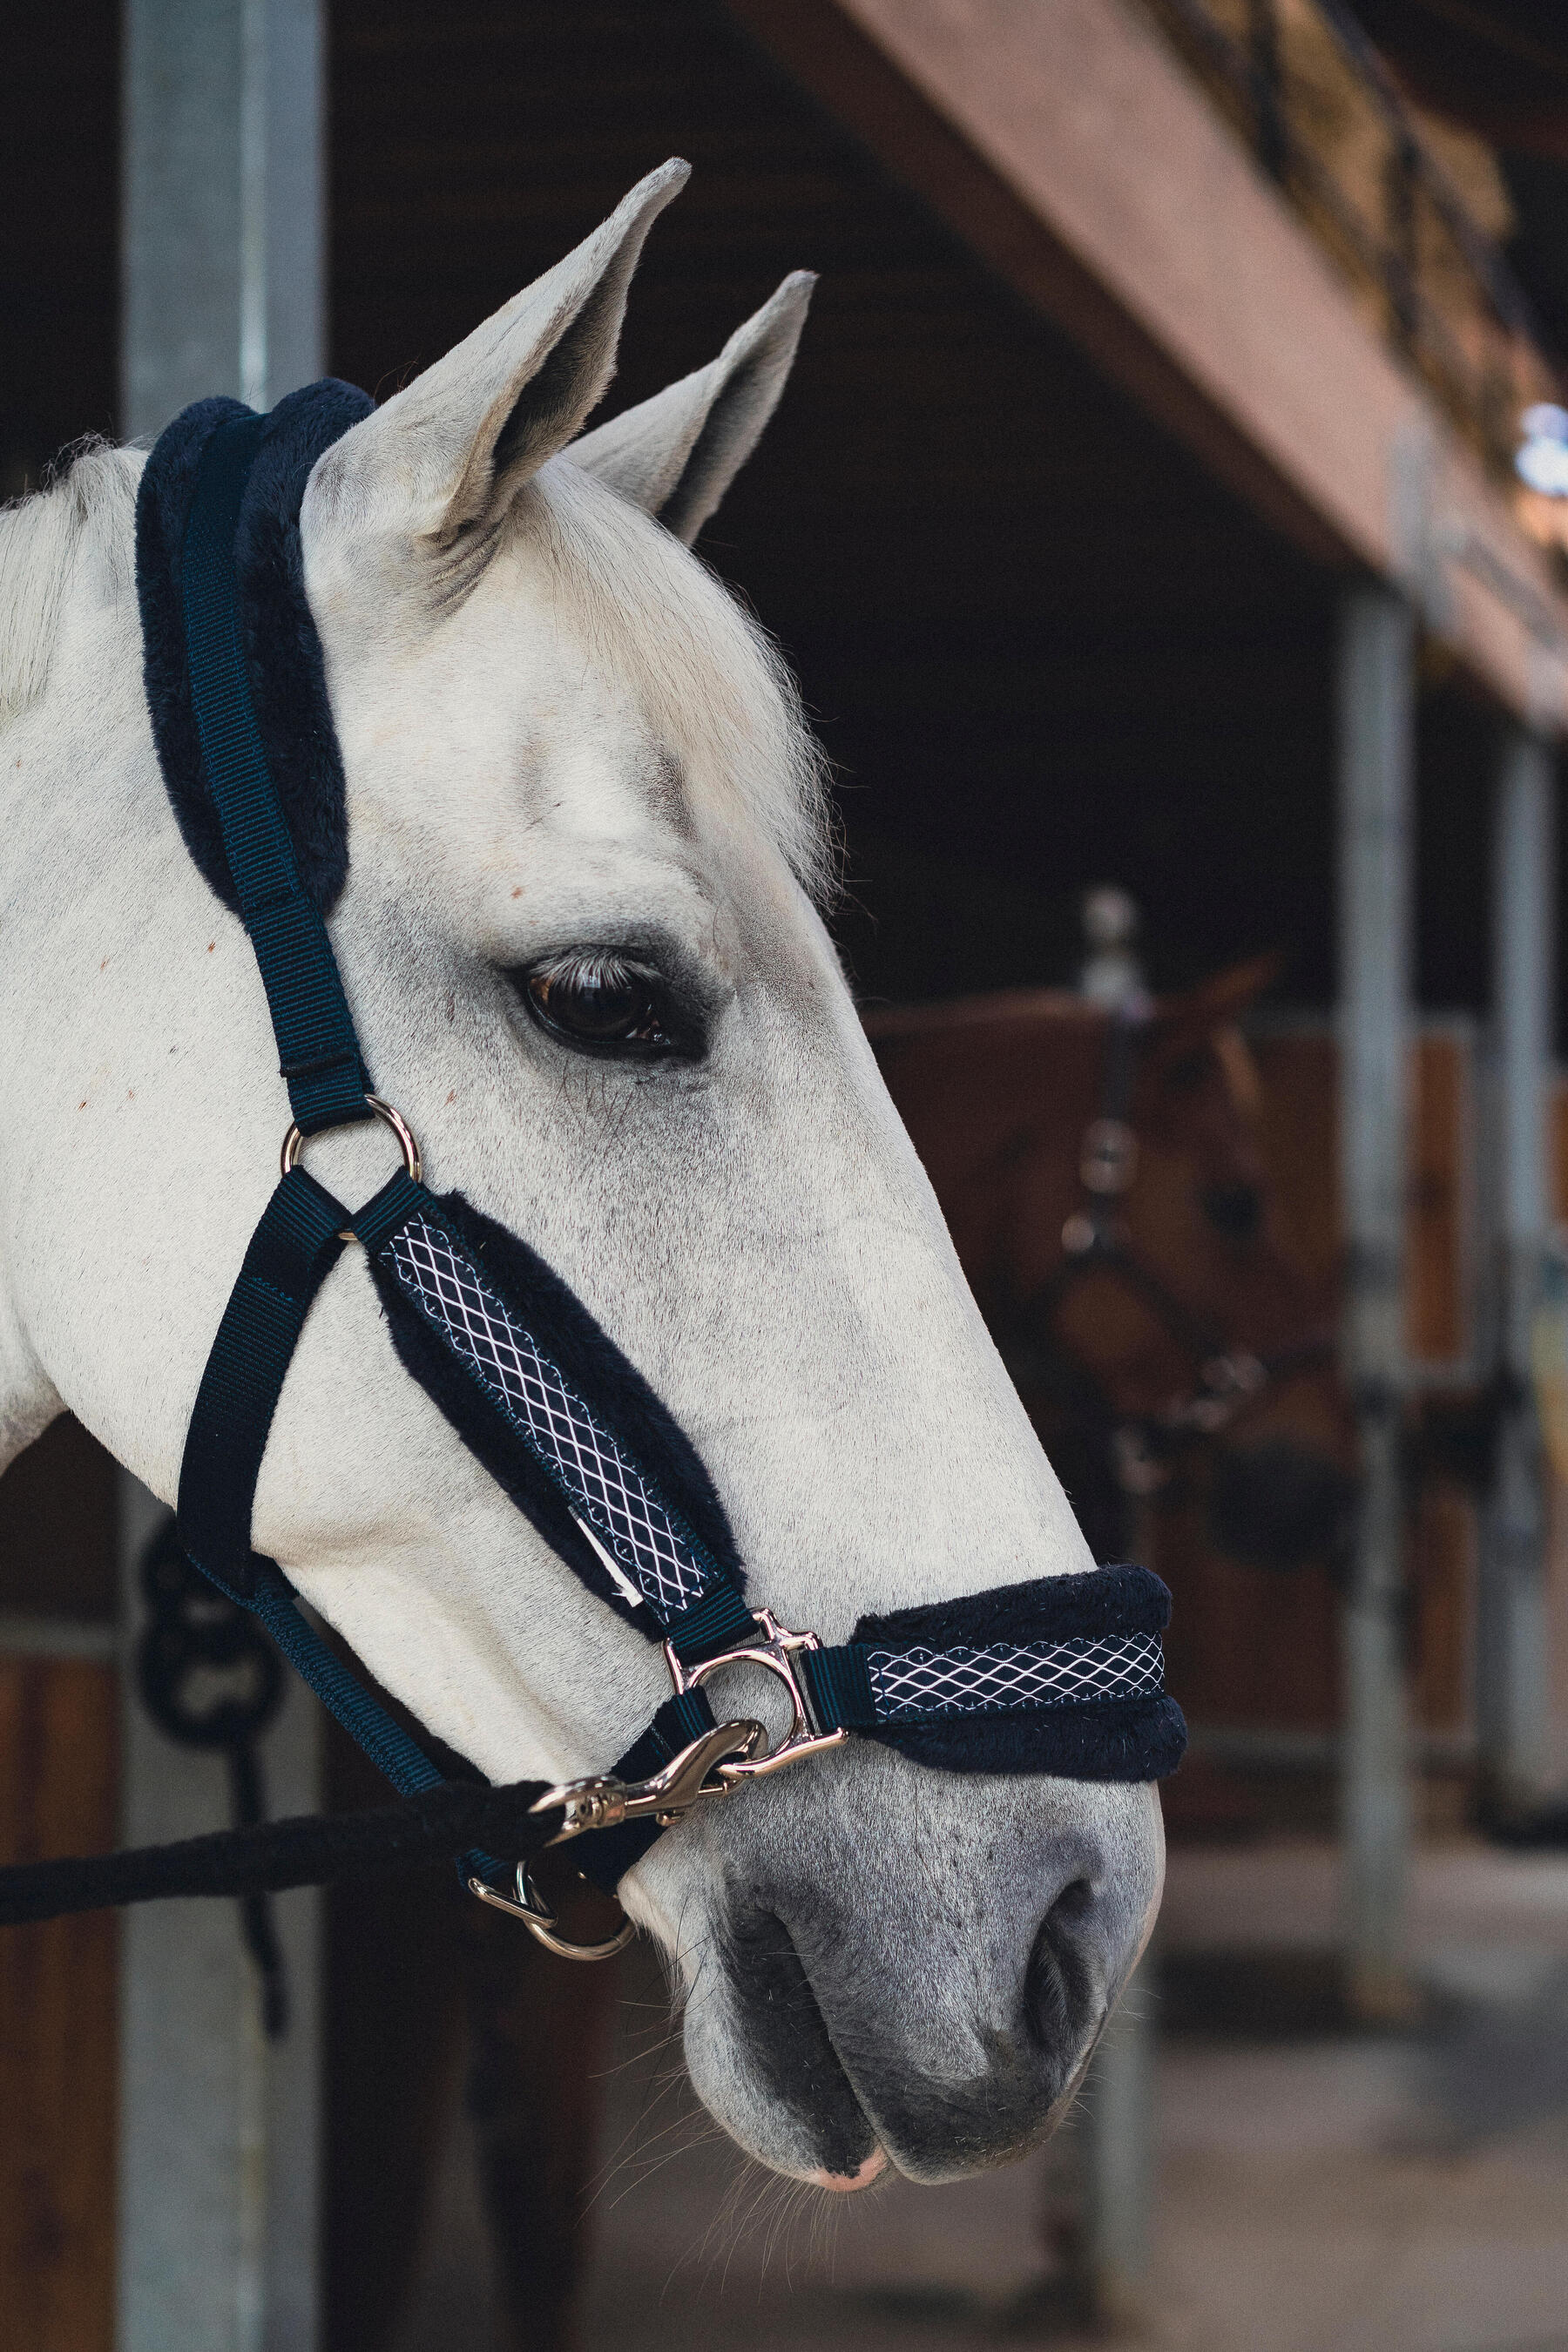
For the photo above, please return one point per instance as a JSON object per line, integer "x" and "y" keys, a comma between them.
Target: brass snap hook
{"x": 600, "y": 1802}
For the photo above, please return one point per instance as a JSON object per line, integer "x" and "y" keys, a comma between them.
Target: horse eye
{"x": 603, "y": 1002}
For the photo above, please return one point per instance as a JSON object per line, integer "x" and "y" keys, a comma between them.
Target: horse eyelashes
{"x": 600, "y": 1000}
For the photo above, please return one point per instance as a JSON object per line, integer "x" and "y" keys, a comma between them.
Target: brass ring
{"x": 541, "y": 1923}
{"x": 294, "y": 1142}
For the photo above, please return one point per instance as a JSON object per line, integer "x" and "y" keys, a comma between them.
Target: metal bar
{"x": 1512, "y": 1695}
{"x": 1375, "y": 762}
{"x": 1117, "y": 2138}
{"x": 1116, "y": 2130}
{"x": 1484, "y": 259}
{"x": 1417, "y": 325}
{"x": 1261, "y": 1749}
{"x": 222, "y": 275}
{"x": 23, "y": 1635}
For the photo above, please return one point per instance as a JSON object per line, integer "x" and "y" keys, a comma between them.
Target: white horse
{"x": 577, "y": 780}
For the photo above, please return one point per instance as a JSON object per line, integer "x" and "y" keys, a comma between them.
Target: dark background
{"x": 1043, "y": 648}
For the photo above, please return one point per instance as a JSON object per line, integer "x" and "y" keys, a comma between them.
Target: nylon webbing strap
{"x": 291, "y": 1253}
{"x": 382, "y": 1738}
{"x": 374, "y": 1730}
{"x": 319, "y": 1052}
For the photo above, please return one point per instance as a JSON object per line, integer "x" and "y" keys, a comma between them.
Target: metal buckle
{"x": 711, "y": 1767}
{"x": 1108, "y": 1160}
{"x": 777, "y": 1652}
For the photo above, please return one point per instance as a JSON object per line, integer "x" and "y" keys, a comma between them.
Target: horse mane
{"x": 87, "y": 507}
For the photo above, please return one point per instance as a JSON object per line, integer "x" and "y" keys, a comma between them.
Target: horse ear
{"x": 1222, "y": 998}
{"x": 677, "y": 454}
{"x": 461, "y": 439}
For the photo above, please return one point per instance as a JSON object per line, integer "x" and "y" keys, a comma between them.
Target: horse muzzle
{"x": 875, "y": 1972}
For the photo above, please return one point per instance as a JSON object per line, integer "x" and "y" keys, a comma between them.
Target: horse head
{"x": 580, "y": 828}
{"x": 1136, "y": 1269}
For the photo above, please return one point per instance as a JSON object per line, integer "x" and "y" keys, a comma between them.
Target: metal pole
{"x": 222, "y": 283}
{"x": 1375, "y": 763}
{"x": 1118, "y": 2156}
{"x": 1512, "y": 1644}
{"x": 1117, "y": 2134}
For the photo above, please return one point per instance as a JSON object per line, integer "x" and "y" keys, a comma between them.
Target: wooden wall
{"x": 1251, "y": 1647}
{"x": 59, "y": 2062}
{"x": 59, "y": 1719}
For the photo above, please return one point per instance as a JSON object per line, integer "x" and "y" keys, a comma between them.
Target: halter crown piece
{"x": 1062, "y": 1675}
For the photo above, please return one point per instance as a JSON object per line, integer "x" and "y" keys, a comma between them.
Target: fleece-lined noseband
{"x": 1061, "y": 1676}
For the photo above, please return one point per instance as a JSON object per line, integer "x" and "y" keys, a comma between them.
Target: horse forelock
{"x": 710, "y": 683}
{"x": 643, "y": 612}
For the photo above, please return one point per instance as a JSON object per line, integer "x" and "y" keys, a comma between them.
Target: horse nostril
{"x": 1058, "y": 1989}
{"x": 1232, "y": 1210}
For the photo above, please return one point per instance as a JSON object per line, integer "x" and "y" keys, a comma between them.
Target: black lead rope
{"x": 1062, "y": 1675}
{"x": 194, "y": 1636}
{"x": 311, "y": 1850}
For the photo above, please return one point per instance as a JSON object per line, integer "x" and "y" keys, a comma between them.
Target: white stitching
{"x": 532, "y": 1391}
{"x": 1007, "y": 1676}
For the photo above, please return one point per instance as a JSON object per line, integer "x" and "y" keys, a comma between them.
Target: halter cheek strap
{"x": 1064, "y": 1676}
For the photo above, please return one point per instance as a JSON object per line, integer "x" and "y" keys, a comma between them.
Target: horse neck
{"x": 104, "y": 918}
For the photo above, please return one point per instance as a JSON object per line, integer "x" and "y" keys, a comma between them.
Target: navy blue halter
{"x": 1062, "y": 1675}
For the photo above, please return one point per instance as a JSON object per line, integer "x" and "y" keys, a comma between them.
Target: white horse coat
{"x": 559, "y": 732}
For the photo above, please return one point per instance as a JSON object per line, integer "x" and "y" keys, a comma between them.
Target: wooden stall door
{"x": 58, "y": 1795}
{"x": 1254, "y": 1650}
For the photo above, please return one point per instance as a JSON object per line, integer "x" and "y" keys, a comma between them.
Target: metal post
{"x": 1375, "y": 762}
{"x": 1118, "y": 2156}
{"x": 1512, "y": 1644}
{"x": 223, "y": 273}
{"x": 1117, "y": 2132}
{"x": 222, "y": 282}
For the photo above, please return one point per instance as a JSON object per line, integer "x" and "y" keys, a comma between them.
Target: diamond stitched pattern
{"x": 913, "y": 1683}
{"x": 532, "y": 1391}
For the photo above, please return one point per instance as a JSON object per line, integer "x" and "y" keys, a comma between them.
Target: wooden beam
{"x": 1073, "y": 152}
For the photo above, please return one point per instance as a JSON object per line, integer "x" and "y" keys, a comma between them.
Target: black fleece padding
{"x": 282, "y": 650}
{"x": 1141, "y": 1738}
{"x": 1096, "y": 1740}
{"x": 611, "y": 1385}
{"x": 1098, "y": 1603}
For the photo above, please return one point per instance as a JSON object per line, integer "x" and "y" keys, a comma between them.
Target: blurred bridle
{"x": 1228, "y": 1380}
